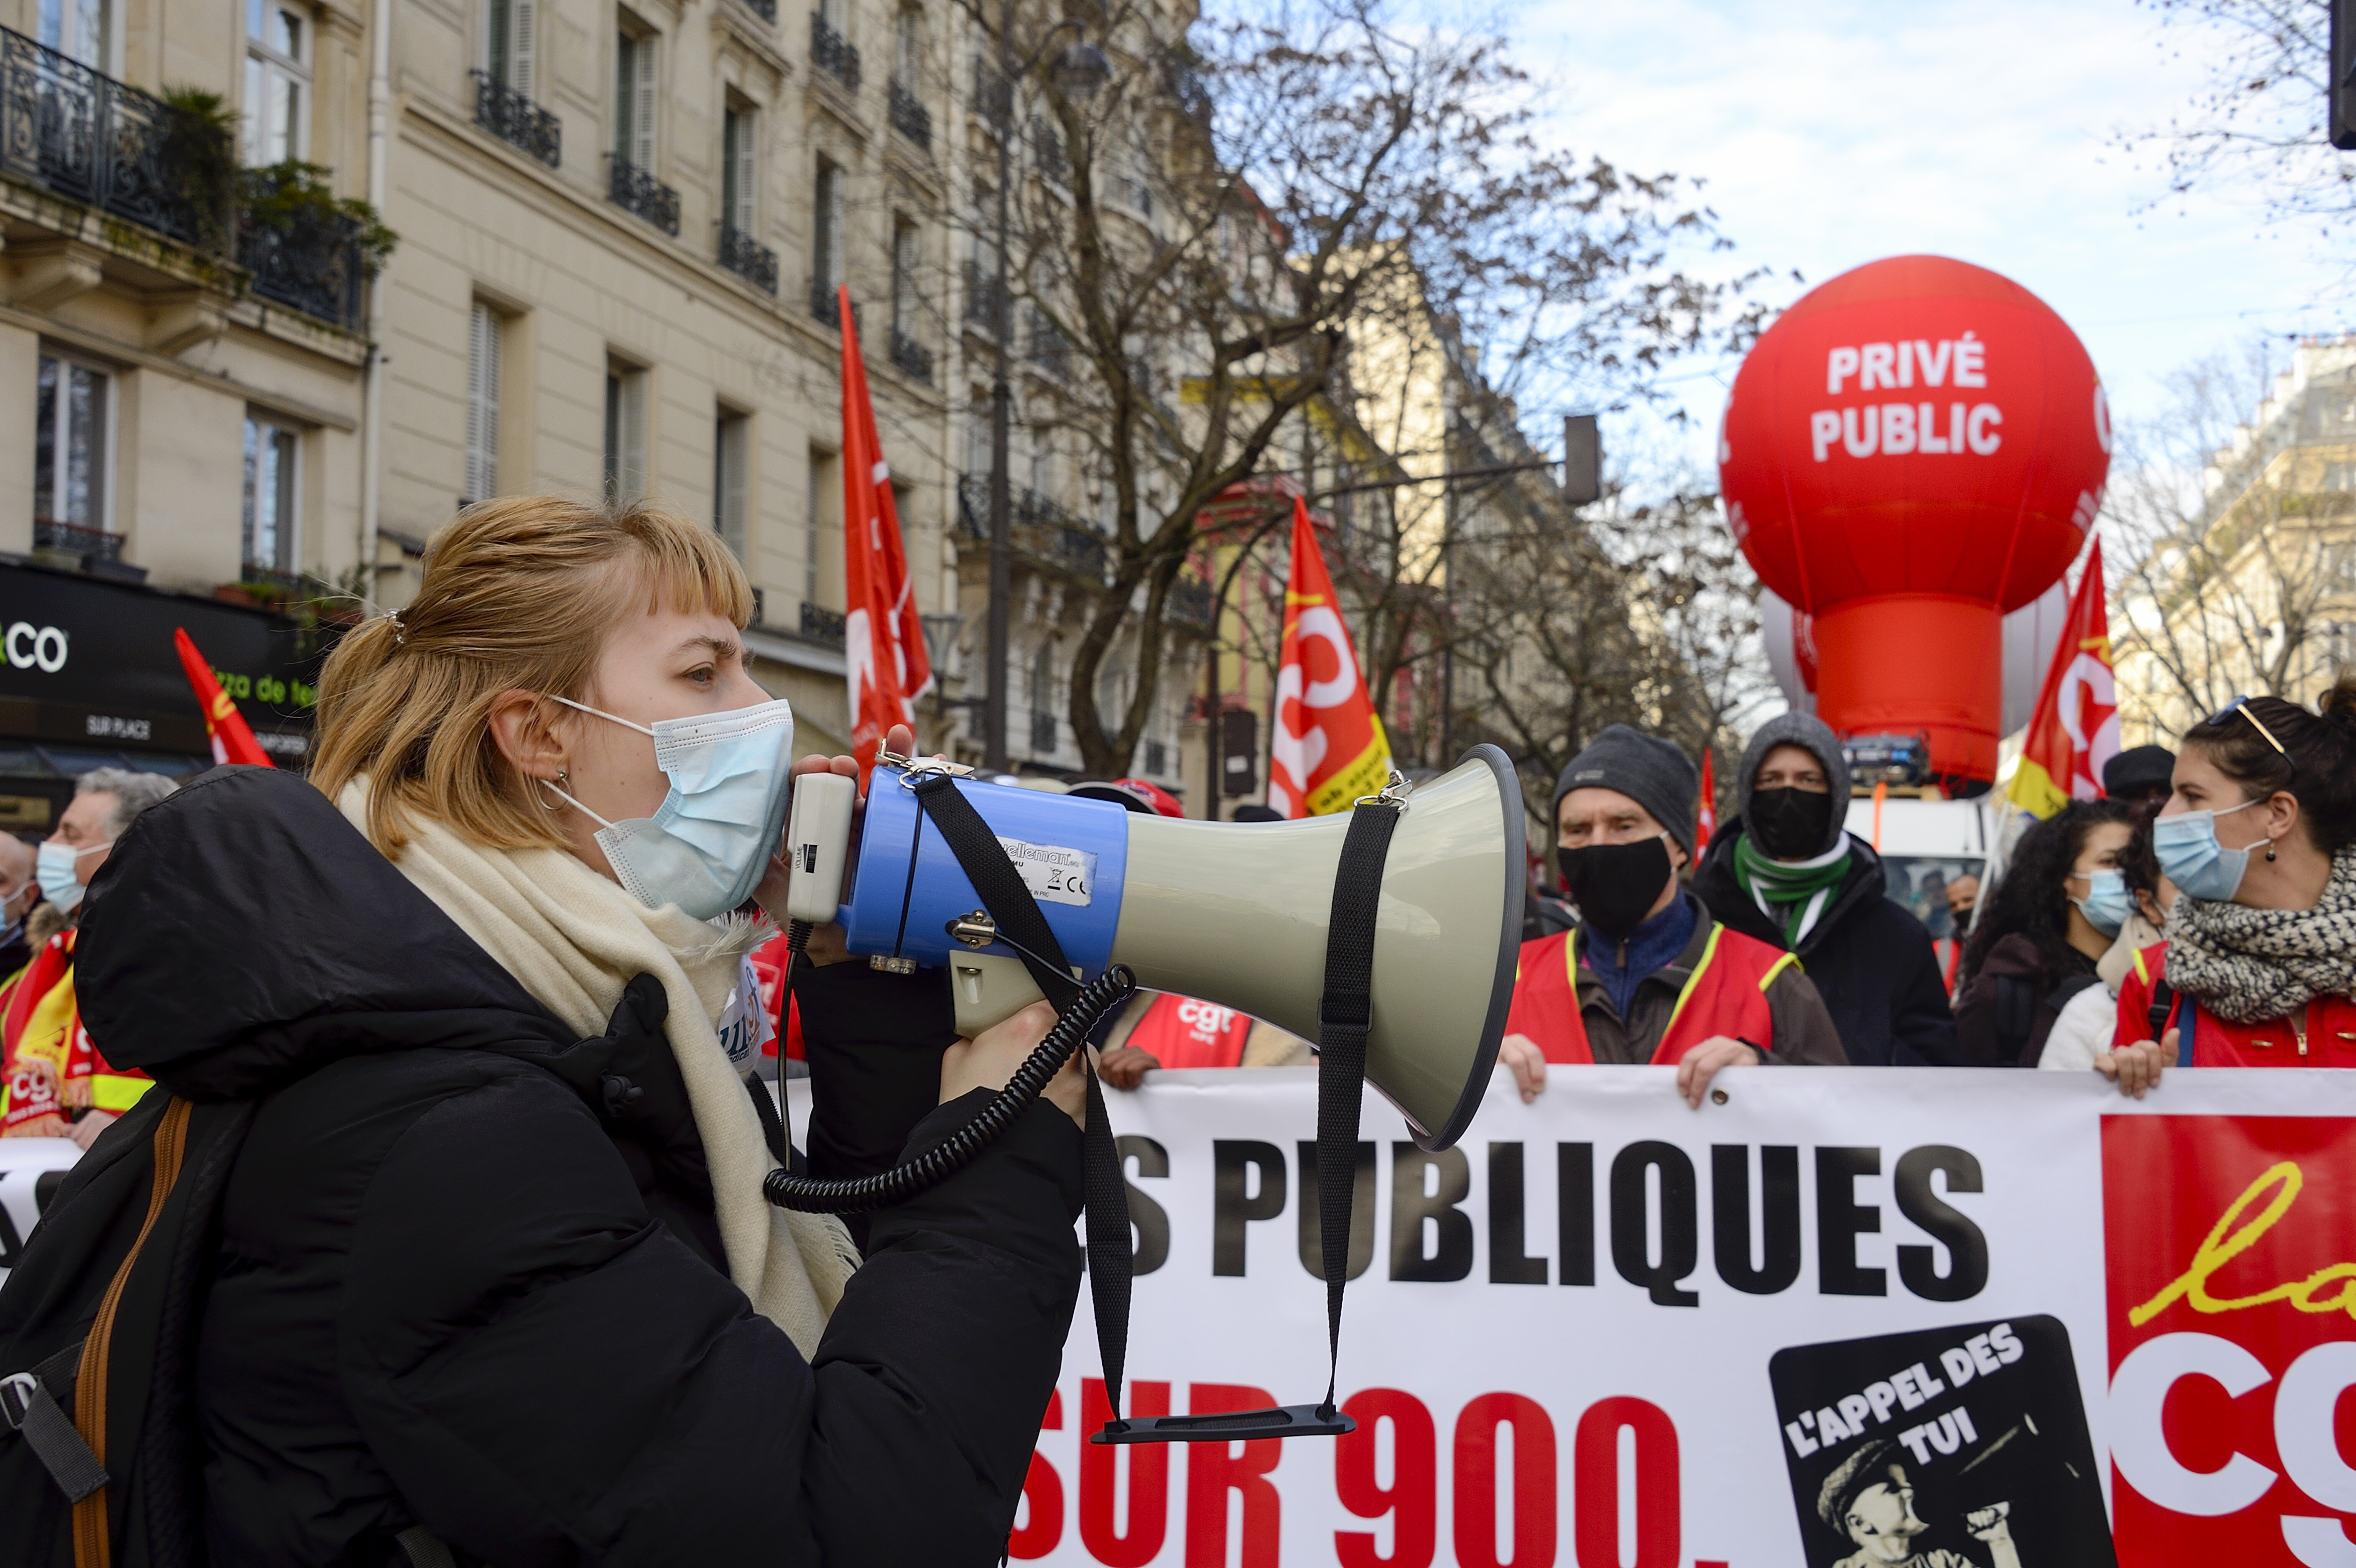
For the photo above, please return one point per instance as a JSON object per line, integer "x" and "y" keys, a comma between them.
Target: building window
{"x": 634, "y": 99}
{"x": 1157, "y": 756}
{"x": 484, "y": 346}
{"x": 71, "y": 441}
{"x": 77, "y": 28}
{"x": 826, "y": 230}
{"x": 907, "y": 48}
{"x": 625, "y": 432}
{"x": 904, "y": 275}
{"x": 510, "y": 45}
{"x": 815, "y": 501}
{"x": 731, "y": 460}
{"x": 1043, "y": 697}
{"x": 740, "y": 170}
{"x": 277, "y": 83}
{"x": 271, "y": 452}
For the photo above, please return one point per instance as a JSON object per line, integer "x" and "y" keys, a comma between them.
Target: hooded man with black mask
{"x": 1787, "y": 872}
{"x": 1648, "y": 977}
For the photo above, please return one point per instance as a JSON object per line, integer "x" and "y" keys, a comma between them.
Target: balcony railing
{"x": 1042, "y": 528}
{"x": 910, "y": 118}
{"x": 76, "y": 540}
{"x": 984, "y": 308}
{"x": 313, "y": 263}
{"x": 85, "y": 137}
{"x": 1042, "y": 734}
{"x": 820, "y": 624}
{"x": 1189, "y": 604}
{"x": 765, "y": 9}
{"x": 515, "y": 119}
{"x": 635, "y": 190}
{"x": 748, "y": 258}
{"x": 911, "y": 358}
{"x": 831, "y": 52}
{"x": 826, "y": 307}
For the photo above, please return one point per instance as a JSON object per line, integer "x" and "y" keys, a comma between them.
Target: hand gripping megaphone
{"x": 1386, "y": 935}
{"x": 1233, "y": 913}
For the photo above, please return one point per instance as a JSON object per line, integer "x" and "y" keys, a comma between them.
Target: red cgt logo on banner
{"x": 2232, "y": 1254}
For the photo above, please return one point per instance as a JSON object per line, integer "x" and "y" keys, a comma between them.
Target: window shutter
{"x": 521, "y": 45}
{"x": 745, "y": 172}
{"x": 483, "y": 405}
{"x": 642, "y": 119}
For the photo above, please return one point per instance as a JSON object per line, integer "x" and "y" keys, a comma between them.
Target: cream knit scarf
{"x": 2248, "y": 965}
{"x": 573, "y": 940}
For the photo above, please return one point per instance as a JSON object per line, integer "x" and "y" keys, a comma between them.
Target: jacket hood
{"x": 243, "y": 933}
{"x": 1866, "y": 883}
{"x": 1811, "y": 735}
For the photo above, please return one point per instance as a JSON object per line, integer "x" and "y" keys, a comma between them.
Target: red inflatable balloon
{"x": 1912, "y": 450}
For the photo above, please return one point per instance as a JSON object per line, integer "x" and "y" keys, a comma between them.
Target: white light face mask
{"x": 707, "y": 843}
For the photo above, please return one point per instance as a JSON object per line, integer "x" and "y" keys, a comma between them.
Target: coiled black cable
{"x": 1094, "y": 1003}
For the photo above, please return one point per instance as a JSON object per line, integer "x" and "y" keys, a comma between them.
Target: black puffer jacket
{"x": 1872, "y": 960}
{"x": 449, "y": 1291}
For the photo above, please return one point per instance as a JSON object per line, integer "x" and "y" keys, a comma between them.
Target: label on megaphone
{"x": 1054, "y": 874}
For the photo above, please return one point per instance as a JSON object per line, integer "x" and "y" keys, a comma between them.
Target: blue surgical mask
{"x": 54, "y": 865}
{"x": 707, "y": 843}
{"x": 2105, "y": 904}
{"x": 2186, "y": 845}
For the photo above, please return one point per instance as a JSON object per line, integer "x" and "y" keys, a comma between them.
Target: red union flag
{"x": 882, "y": 635}
{"x": 231, "y": 737}
{"x": 2074, "y": 728}
{"x": 1329, "y": 747}
{"x": 1705, "y": 816}
{"x": 2231, "y": 1298}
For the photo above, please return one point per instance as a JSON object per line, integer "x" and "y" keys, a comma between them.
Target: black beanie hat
{"x": 1648, "y": 770}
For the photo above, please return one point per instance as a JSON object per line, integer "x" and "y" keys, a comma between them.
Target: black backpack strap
{"x": 2163, "y": 1004}
{"x": 32, "y": 1404}
{"x": 2016, "y": 1017}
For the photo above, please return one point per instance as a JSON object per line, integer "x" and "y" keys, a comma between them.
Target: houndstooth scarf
{"x": 2246, "y": 965}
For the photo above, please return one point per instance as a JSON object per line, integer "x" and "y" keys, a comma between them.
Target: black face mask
{"x": 1790, "y": 824}
{"x": 1614, "y": 884}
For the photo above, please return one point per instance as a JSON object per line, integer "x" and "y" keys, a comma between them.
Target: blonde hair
{"x": 519, "y": 594}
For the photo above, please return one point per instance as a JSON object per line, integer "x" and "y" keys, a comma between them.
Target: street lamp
{"x": 1081, "y": 71}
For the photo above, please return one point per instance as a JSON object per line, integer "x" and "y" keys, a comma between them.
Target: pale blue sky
{"x": 1832, "y": 132}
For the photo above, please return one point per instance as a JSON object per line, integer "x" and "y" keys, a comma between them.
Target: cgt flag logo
{"x": 2231, "y": 1318}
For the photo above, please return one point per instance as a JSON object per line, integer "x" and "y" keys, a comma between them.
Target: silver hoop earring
{"x": 540, "y": 792}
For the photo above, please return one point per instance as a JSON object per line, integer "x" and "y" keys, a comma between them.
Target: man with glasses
{"x": 1646, "y": 976}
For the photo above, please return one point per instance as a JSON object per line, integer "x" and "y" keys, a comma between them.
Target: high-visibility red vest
{"x": 1725, "y": 994}
{"x": 1185, "y": 1032}
{"x": 2321, "y": 1034}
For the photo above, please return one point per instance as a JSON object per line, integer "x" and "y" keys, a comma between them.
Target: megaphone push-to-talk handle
{"x": 818, "y": 843}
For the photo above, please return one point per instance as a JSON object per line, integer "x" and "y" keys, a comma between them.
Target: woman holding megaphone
{"x": 494, "y": 1262}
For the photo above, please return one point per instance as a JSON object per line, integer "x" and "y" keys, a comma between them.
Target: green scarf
{"x": 1789, "y": 893}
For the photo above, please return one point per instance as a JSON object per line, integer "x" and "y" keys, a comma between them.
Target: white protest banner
{"x": 30, "y": 1169}
{"x": 1938, "y": 1319}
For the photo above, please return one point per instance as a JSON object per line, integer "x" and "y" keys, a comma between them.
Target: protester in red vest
{"x": 1646, "y": 976}
{"x": 2259, "y": 836}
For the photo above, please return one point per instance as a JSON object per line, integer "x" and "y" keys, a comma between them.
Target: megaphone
{"x": 1233, "y": 913}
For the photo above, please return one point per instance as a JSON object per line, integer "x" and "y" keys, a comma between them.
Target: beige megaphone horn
{"x": 1233, "y": 913}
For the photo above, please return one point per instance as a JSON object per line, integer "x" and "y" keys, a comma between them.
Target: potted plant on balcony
{"x": 307, "y": 246}
{"x": 196, "y": 164}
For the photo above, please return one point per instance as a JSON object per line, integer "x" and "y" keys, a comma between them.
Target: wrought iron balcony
{"x": 1049, "y": 348}
{"x": 1042, "y": 733}
{"x": 75, "y": 540}
{"x": 85, "y": 137}
{"x": 515, "y": 119}
{"x": 911, "y": 358}
{"x": 826, "y": 308}
{"x": 831, "y": 52}
{"x": 635, "y": 190}
{"x": 984, "y": 308}
{"x": 1189, "y": 604}
{"x": 820, "y": 624}
{"x": 766, "y": 9}
{"x": 910, "y": 118}
{"x": 748, "y": 258}
{"x": 313, "y": 263}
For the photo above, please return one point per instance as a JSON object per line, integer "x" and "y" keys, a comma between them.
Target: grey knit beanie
{"x": 1648, "y": 770}
{"x": 1815, "y": 736}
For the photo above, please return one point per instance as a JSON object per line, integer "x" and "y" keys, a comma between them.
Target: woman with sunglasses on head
{"x": 2259, "y": 836}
